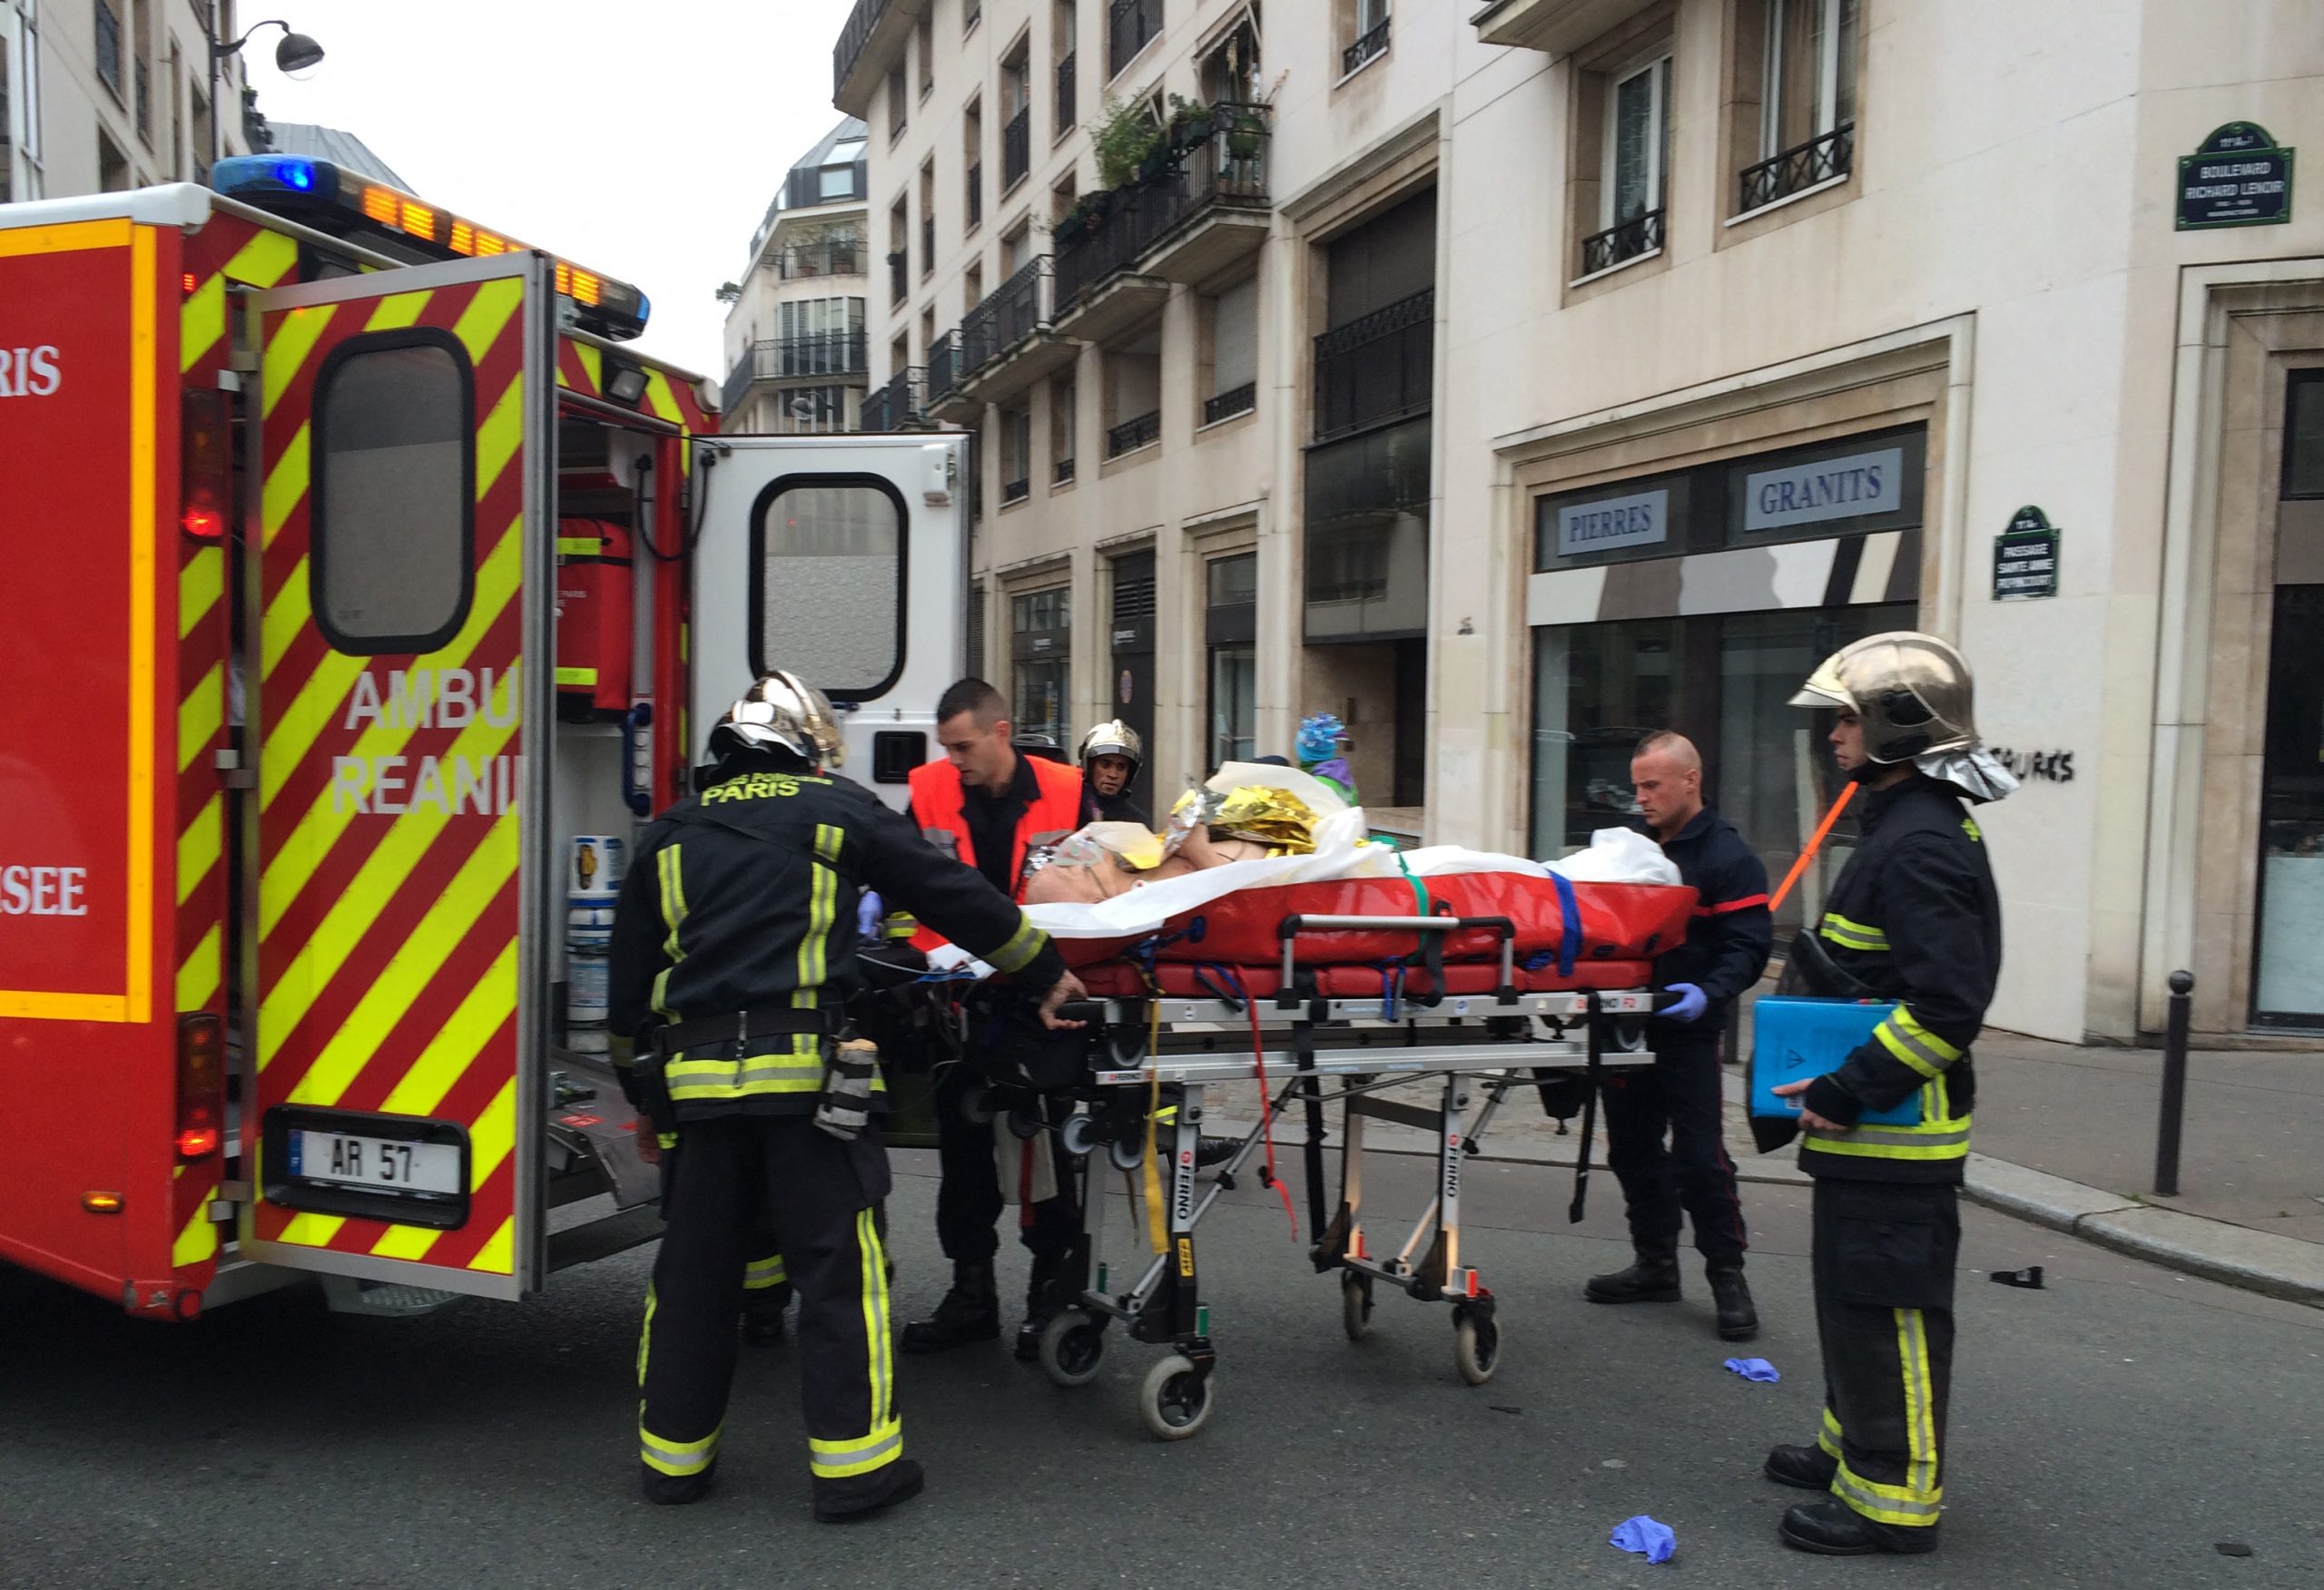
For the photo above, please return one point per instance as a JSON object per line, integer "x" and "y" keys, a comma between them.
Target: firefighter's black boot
{"x": 1213, "y": 1151}
{"x": 1834, "y": 1528}
{"x": 841, "y": 1503}
{"x": 675, "y": 1490}
{"x": 1738, "y": 1317}
{"x": 1653, "y": 1278}
{"x": 970, "y": 1312}
{"x": 1803, "y": 1468}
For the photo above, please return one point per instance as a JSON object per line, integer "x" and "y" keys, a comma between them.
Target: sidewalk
{"x": 2065, "y": 1138}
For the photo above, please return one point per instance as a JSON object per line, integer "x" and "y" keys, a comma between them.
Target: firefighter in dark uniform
{"x": 734, "y": 947}
{"x": 1914, "y": 920}
{"x": 1111, "y": 758}
{"x": 1681, "y": 1095}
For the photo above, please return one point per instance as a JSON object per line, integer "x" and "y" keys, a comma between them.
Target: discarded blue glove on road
{"x": 1642, "y": 1535}
{"x": 1692, "y": 1003}
{"x": 1755, "y": 1370}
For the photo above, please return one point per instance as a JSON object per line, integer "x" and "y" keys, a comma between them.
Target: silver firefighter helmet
{"x": 1912, "y": 691}
{"x": 780, "y": 712}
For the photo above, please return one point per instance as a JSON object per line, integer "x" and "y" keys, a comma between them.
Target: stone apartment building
{"x": 795, "y": 332}
{"x": 100, "y": 96}
{"x": 1515, "y": 378}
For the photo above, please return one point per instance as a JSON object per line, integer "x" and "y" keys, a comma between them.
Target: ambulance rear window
{"x": 394, "y": 494}
{"x": 829, "y": 555}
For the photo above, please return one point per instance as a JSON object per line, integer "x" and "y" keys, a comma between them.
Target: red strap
{"x": 1266, "y": 1113}
{"x": 1720, "y": 909}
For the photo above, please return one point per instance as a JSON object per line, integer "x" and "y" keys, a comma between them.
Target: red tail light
{"x": 206, "y": 452}
{"x": 201, "y": 1086}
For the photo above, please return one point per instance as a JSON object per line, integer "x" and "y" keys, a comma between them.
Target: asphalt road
{"x": 2108, "y": 1431}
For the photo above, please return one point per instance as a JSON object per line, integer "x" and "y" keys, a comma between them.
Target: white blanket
{"x": 1613, "y": 855}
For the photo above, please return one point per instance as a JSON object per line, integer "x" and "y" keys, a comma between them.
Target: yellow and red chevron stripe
{"x": 228, "y": 249}
{"x": 580, "y": 368}
{"x": 388, "y": 937}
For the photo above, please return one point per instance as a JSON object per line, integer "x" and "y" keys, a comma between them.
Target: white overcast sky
{"x": 641, "y": 140}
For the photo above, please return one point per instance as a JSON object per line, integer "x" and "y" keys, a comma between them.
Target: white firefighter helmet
{"x": 1912, "y": 691}
{"x": 1115, "y": 738}
{"x": 780, "y": 712}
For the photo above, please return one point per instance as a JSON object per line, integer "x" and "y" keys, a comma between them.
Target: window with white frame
{"x": 1635, "y": 158}
{"x": 1806, "y": 94}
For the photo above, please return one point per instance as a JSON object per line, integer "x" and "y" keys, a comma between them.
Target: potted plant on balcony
{"x": 1125, "y": 140}
{"x": 1243, "y": 137}
{"x": 1190, "y": 123}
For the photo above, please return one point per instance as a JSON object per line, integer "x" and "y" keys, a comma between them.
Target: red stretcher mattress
{"x": 1630, "y": 922}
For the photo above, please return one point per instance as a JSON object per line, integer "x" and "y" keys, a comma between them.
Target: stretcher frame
{"x": 1318, "y": 1051}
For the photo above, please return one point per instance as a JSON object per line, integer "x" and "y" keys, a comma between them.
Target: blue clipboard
{"x": 1795, "y": 1038}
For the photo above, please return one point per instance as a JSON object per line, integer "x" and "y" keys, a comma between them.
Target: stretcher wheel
{"x": 1173, "y": 1400}
{"x": 1077, "y": 1134}
{"x": 1355, "y": 1305}
{"x": 1126, "y": 1157}
{"x": 1025, "y": 1122}
{"x": 1072, "y": 1346}
{"x": 1476, "y": 1348}
{"x": 976, "y": 1105}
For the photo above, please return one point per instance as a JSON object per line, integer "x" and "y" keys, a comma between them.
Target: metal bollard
{"x": 2174, "y": 1086}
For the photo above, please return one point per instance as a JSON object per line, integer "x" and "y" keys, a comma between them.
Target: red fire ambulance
{"x": 363, "y": 584}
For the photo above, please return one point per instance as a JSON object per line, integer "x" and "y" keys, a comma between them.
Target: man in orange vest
{"x": 986, "y": 805}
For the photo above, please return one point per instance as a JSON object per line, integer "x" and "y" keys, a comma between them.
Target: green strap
{"x": 1419, "y": 889}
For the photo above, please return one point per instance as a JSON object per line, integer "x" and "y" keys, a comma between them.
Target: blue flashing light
{"x": 247, "y": 174}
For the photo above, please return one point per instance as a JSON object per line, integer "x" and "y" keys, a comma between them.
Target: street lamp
{"x": 296, "y": 53}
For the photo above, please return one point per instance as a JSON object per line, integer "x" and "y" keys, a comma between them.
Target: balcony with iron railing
{"x": 1138, "y": 431}
{"x": 1067, "y": 73}
{"x": 806, "y": 262}
{"x": 1016, "y": 491}
{"x": 1620, "y": 244}
{"x": 1062, "y": 474}
{"x": 1204, "y": 209}
{"x": 1826, "y": 158}
{"x": 1007, "y": 343}
{"x": 1370, "y": 46}
{"x": 820, "y": 357}
{"x": 895, "y": 404}
{"x": 1377, "y": 369}
{"x": 1017, "y": 148}
{"x": 873, "y": 33}
{"x": 1130, "y": 26}
{"x": 1227, "y": 404}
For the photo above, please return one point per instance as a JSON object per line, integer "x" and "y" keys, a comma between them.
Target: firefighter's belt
{"x": 739, "y": 1028}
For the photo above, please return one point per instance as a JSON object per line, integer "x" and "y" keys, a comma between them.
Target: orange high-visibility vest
{"x": 940, "y": 801}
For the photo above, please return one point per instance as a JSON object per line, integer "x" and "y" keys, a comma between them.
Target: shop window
{"x": 2304, "y": 435}
{"x": 394, "y": 492}
{"x": 829, "y": 594}
{"x": 1724, "y": 681}
{"x": 1040, "y": 624}
{"x": 1795, "y": 96}
{"x": 2287, "y": 989}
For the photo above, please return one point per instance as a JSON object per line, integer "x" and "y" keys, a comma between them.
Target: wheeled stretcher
{"x": 1312, "y": 1029}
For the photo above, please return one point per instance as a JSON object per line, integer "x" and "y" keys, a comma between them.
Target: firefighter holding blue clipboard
{"x": 1912, "y": 930}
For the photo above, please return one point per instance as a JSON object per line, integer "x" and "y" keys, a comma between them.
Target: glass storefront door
{"x": 2288, "y": 956}
{"x": 1722, "y": 680}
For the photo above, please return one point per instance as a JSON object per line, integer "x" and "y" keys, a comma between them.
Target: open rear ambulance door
{"x": 400, "y": 573}
{"x": 843, "y": 559}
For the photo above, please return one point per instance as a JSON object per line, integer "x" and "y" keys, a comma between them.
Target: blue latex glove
{"x": 1642, "y": 1535}
{"x": 869, "y": 913}
{"x": 1758, "y": 1369}
{"x": 1692, "y": 1003}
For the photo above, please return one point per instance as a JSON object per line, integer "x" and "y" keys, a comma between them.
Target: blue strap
{"x": 1203, "y": 970}
{"x": 1392, "y": 984}
{"x": 1569, "y": 940}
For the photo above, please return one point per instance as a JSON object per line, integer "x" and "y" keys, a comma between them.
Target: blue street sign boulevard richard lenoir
{"x": 2238, "y": 178}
